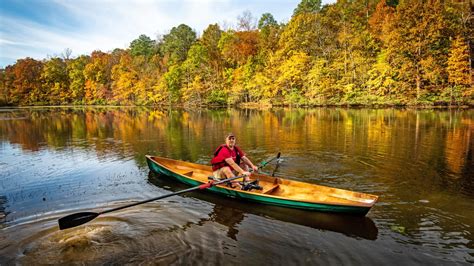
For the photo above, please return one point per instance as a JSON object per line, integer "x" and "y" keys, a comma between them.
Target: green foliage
{"x": 177, "y": 43}
{"x": 267, "y": 20}
{"x": 225, "y": 45}
{"x": 143, "y": 46}
{"x": 197, "y": 57}
{"x": 217, "y": 97}
{"x": 392, "y": 3}
{"x": 307, "y": 6}
{"x": 173, "y": 79}
{"x": 294, "y": 97}
{"x": 196, "y": 72}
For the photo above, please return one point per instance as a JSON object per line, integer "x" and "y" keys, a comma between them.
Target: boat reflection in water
{"x": 230, "y": 213}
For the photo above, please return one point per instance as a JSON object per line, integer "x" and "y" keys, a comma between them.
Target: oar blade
{"x": 76, "y": 219}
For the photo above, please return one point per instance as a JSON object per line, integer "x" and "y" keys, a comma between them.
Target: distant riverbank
{"x": 256, "y": 105}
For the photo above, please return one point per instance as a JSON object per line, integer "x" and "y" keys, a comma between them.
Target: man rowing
{"x": 229, "y": 160}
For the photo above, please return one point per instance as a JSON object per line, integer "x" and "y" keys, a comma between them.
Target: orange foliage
{"x": 380, "y": 18}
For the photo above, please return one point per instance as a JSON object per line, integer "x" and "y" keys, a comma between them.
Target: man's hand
{"x": 255, "y": 168}
{"x": 246, "y": 176}
{"x": 246, "y": 173}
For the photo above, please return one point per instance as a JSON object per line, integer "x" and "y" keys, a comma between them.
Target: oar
{"x": 79, "y": 218}
{"x": 276, "y": 167}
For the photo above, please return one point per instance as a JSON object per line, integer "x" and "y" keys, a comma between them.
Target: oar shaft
{"x": 149, "y": 200}
{"x": 77, "y": 219}
{"x": 203, "y": 186}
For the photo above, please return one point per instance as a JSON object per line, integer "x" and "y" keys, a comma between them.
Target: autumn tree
{"x": 460, "y": 16}
{"x": 3, "y": 87}
{"x": 416, "y": 45}
{"x": 97, "y": 78}
{"x": 320, "y": 87}
{"x": 356, "y": 51}
{"x": 173, "y": 80}
{"x": 458, "y": 62}
{"x": 125, "y": 79}
{"x": 197, "y": 75}
{"x": 381, "y": 82}
{"x": 306, "y": 33}
{"x": 237, "y": 46}
{"x": 77, "y": 79}
{"x": 458, "y": 70}
{"x": 56, "y": 81}
{"x": 291, "y": 77}
{"x": 380, "y": 18}
{"x": 210, "y": 40}
{"x": 26, "y": 87}
{"x": 269, "y": 33}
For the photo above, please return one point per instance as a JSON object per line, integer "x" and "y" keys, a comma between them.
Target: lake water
{"x": 57, "y": 161}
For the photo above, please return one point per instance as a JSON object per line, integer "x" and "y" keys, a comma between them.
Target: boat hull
{"x": 260, "y": 198}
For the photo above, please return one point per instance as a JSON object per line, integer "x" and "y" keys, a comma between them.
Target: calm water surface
{"x": 57, "y": 161}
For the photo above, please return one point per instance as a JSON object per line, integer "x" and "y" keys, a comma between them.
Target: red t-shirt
{"x": 226, "y": 153}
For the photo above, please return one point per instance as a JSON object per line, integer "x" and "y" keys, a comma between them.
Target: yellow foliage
{"x": 458, "y": 62}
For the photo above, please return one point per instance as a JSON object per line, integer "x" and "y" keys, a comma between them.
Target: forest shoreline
{"x": 257, "y": 106}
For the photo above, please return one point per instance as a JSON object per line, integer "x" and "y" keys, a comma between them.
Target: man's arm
{"x": 237, "y": 168}
{"x": 249, "y": 163}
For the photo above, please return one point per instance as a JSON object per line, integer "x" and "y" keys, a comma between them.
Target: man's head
{"x": 230, "y": 140}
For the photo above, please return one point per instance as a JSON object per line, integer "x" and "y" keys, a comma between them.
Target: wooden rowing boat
{"x": 276, "y": 191}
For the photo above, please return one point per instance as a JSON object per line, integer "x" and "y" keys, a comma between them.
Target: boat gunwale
{"x": 356, "y": 204}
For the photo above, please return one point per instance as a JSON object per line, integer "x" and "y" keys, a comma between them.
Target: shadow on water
{"x": 231, "y": 213}
{"x": 3, "y": 212}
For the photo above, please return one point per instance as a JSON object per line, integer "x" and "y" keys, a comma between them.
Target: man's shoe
{"x": 247, "y": 186}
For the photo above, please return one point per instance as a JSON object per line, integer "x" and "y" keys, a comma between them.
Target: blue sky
{"x": 42, "y": 28}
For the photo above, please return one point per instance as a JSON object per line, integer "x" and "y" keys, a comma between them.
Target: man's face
{"x": 230, "y": 141}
